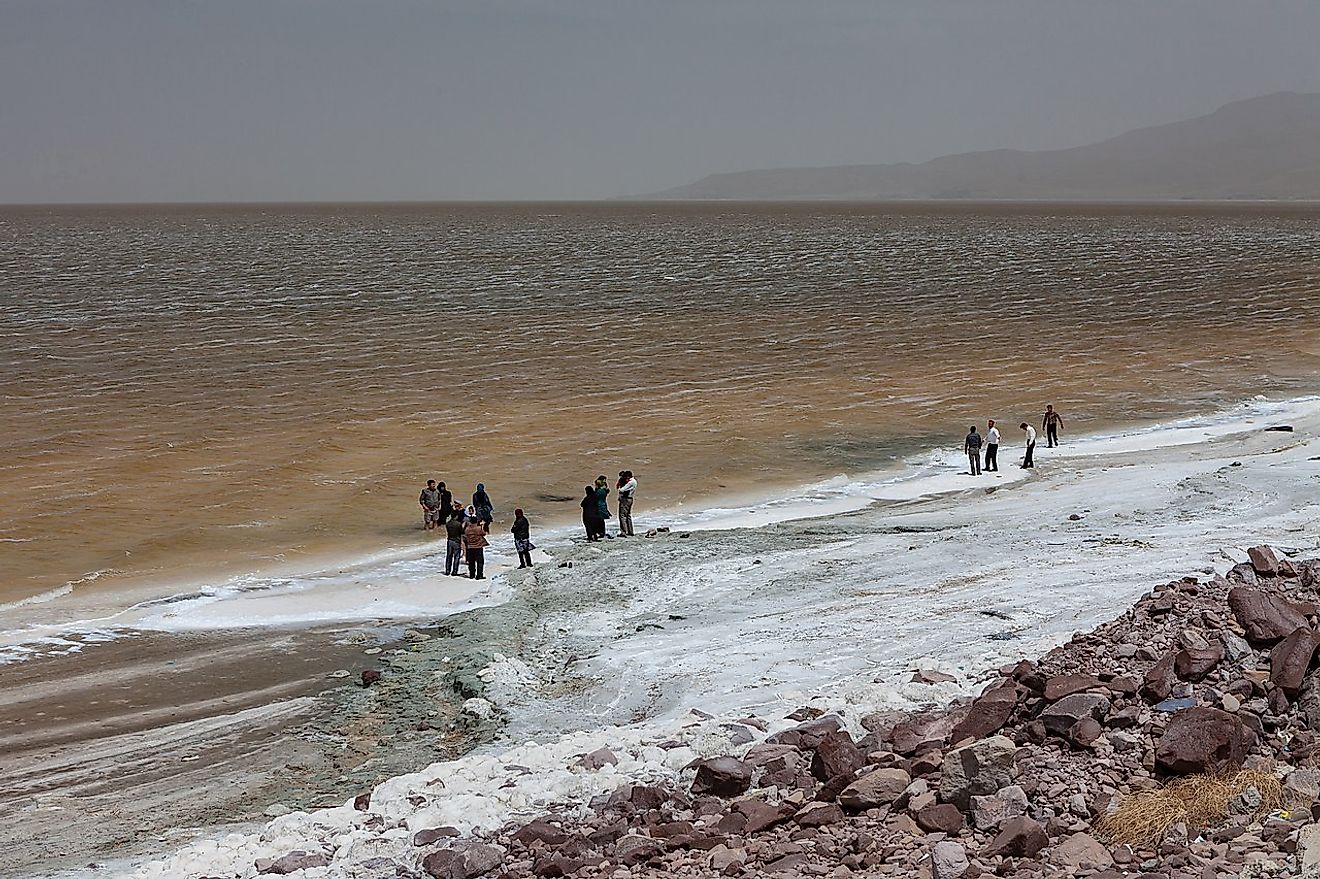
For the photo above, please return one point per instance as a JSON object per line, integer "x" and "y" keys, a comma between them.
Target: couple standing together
{"x": 596, "y": 508}
{"x": 972, "y": 444}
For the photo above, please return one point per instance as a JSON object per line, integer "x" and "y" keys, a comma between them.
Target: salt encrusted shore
{"x": 1202, "y": 676}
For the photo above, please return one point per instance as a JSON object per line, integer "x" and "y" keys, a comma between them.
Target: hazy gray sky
{"x": 147, "y": 100}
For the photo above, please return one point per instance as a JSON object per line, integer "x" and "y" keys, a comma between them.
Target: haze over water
{"x": 191, "y": 392}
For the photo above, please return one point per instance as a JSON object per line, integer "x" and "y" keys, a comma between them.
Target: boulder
{"x": 987, "y": 715}
{"x": 806, "y": 735}
{"x": 762, "y": 756}
{"x": 1302, "y": 786}
{"x": 1081, "y": 851}
{"x": 817, "y": 814}
{"x": 598, "y": 759}
{"x": 1291, "y": 659}
{"x": 878, "y": 788}
{"x": 634, "y": 849}
{"x": 432, "y": 835}
{"x": 920, "y": 731}
{"x": 1085, "y": 732}
{"x": 463, "y": 863}
{"x": 940, "y": 818}
{"x": 722, "y": 776}
{"x": 836, "y": 755}
{"x": 541, "y": 831}
{"x": 990, "y": 812}
{"x": 1264, "y": 560}
{"x": 1018, "y": 838}
{"x": 1159, "y": 681}
{"x": 1060, "y": 717}
{"x": 370, "y": 676}
{"x": 761, "y": 815}
{"x": 1194, "y": 663}
{"x": 1059, "y": 686}
{"x": 948, "y": 860}
{"x": 1266, "y": 617}
{"x": 978, "y": 769}
{"x": 1203, "y": 740}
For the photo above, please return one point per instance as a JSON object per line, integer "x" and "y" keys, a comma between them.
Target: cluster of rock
{"x": 1198, "y": 677}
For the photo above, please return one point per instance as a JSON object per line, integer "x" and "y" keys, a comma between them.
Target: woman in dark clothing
{"x": 522, "y": 538}
{"x": 602, "y": 505}
{"x": 481, "y": 502}
{"x": 592, "y": 520}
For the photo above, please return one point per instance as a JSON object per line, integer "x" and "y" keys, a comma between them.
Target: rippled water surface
{"x": 191, "y": 390}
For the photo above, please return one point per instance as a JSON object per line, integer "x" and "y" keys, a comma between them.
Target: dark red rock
{"x": 541, "y": 831}
{"x": 433, "y": 835}
{"x": 940, "y": 818}
{"x": 922, "y": 728}
{"x": 1019, "y": 837}
{"x": 369, "y": 677}
{"x": 1203, "y": 740}
{"x": 819, "y": 815}
{"x": 1059, "y": 686}
{"x": 1264, "y": 560}
{"x": 1266, "y": 617}
{"x": 722, "y": 776}
{"x": 1084, "y": 732}
{"x": 836, "y": 755}
{"x": 806, "y": 735}
{"x": 1159, "y": 681}
{"x": 761, "y": 815}
{"x": 362, "y": 802}
{"x": 988, "y": 714}
{"x": 463, "y": 863}
{"x": 1291, "y": 659}
{"x": 1194, "y": 663}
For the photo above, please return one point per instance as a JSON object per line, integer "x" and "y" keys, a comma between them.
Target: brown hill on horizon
{"x": 1265, "y": 148}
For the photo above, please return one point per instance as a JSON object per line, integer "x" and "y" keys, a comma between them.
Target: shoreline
{"x": 833, "y": 612}
{"x": 404, "y": 570}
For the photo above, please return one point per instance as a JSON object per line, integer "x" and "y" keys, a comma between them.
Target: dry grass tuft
{"x": 1199, "y": 800}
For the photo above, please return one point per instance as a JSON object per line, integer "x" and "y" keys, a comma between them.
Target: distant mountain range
{"x": 1265, "y": 148}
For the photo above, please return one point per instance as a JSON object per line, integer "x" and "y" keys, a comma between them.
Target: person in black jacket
{"x": 454, "y": 544}
{"x": 592, "y": 520}
{"x": 522, "y": 538}
{"x": 972, "y": 446}
{"x": 446, "y": 503}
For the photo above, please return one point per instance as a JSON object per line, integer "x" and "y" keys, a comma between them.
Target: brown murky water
{"x": 194, "y": 390}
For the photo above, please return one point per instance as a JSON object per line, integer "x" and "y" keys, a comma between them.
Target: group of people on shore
{"x": 467, "y": 528}
{"x": 974, "y": 442}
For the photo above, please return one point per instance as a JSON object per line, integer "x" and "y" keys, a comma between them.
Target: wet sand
{"x": 144, "y": 743}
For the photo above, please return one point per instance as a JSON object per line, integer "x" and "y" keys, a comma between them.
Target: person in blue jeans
{"x": 454, "y": 543}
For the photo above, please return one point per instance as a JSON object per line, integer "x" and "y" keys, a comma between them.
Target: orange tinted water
{"x": 192, "y": 391}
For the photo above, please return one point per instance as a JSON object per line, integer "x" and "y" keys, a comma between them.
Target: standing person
{"x": 627, "y": 488}
{"x": 592, "y": 520}
{"x": 972, "y": 446}
{"x": 429, "y": 500}
{"x": 484, "y": 508}
{"x": 602, "y": 501}
{"x": 522, "y": 538}
{"x": 454, "y": 544}
{"x": 446, "y": 503}
{"x": 1051, "y": 422}
{"x": 474, "y": 544}
{"x": 992, "y": 448}
{"x": 1027, "y": 462}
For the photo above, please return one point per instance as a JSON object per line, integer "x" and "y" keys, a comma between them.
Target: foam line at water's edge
{"x": 404, "y": 584}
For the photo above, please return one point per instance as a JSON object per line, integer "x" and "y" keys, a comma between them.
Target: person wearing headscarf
{"x": 475, "y": 543}
{"x": 522, "y": 538}
{"x": 627, "y": 488}
{"x": 602, "y": 503}
{"x": 591, "y": 518}
{"x": 482, "y": 504}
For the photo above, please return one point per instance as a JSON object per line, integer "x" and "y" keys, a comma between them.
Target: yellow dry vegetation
{"x": 1198, "y": 800}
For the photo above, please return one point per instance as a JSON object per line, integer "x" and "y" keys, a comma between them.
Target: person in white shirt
{"x": 992, "y": 448}
{"x": 627, "y": 487}
{"x": 1031, "y": 444}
